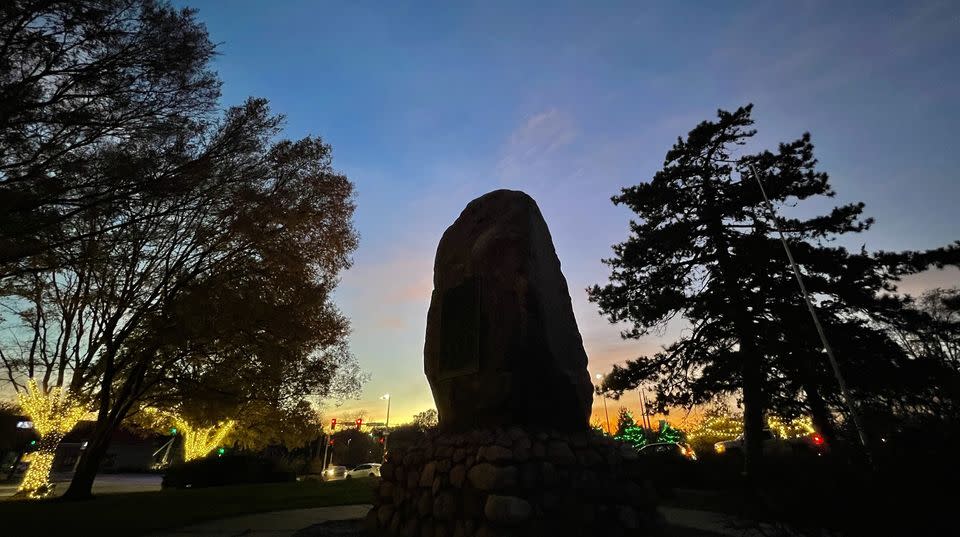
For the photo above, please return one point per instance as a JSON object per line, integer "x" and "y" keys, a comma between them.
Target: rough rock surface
{"x": 502, "y": 345}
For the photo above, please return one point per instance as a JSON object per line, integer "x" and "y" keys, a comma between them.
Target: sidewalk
{"x": 273, "y": 524}
{"x": 286, "y": 523}
{"x": 714, "y": 523}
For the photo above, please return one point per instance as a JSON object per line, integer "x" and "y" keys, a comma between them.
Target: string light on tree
{"x": 795, "y": 428}
{"x": 198, "y": 441}
{"x": 716, "y": 428}
{"x": 628, "y": 431}
{"x": 54, "y": 413}
{"x": 668, "y": 433}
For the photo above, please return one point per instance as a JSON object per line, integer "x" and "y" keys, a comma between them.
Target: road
{"x": 103, "y": 484}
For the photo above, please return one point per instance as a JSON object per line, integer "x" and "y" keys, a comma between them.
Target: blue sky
{"x": 429, "y": 105}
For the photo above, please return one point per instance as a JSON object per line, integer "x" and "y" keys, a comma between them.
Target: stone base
{"x": 514, "y": 482}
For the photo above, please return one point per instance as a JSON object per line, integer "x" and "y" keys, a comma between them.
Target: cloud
{"x": 400, "y": 278}
{"x": 818, "y": 46}
{"x": 416, "y": 288}
{"x": 533, "y": 147}
{"x": 917, "y": 284}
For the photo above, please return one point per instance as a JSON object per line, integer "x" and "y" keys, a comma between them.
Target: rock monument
{"x": 502, "y": 343}
{"x": 514, "y": 453}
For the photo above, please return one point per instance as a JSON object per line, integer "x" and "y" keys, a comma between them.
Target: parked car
{"x": 773, "y": 445}
{"x": 669, "y": 450}
{"x": 370, "y": 469}
{"x": 334, "y": 472}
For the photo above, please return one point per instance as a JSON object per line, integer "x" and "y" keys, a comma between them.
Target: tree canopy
{"x": 170, "y": 254}
{"x": 78, "y": 78}
{"x": 428, "y": 419}
{"x": 705, "y": 250}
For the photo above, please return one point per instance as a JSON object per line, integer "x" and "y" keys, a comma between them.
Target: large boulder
{"x": 502, "y": 345}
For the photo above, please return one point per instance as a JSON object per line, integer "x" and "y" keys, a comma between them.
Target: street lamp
{"x": 599, "y": 377}
{"x": 386, "y": 426}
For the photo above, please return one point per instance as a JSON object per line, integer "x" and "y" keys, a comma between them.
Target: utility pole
{"x": 606, "y": 416}
{"x": 847, "y": 398}
{"x": 386, "y": 426}
{"x": 644, "y": 418}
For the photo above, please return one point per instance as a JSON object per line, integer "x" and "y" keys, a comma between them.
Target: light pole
{"x": 386, "y": 426}
{"x": 644, "y": 419}
{"x": 605, "y": 414}
{"x": 847, "y": 398}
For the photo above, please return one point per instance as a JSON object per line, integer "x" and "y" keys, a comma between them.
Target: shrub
{"x": 226, "y": 470}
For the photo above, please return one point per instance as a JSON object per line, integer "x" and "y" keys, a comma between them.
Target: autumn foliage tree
{"x": 229, "y": 285}
{"x": 426, "y": 420}
{"x": 78, "y": 78}
{"x": 161, "y": 251}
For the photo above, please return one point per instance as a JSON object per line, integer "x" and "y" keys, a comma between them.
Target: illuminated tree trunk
{"x": 53, "y": 414}
{"x": 36, "y": 482}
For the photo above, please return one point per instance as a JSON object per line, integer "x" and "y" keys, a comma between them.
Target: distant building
{"x": 129, "y": 451}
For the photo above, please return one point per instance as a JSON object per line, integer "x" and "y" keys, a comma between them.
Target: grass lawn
{"x": 144, "y": 512}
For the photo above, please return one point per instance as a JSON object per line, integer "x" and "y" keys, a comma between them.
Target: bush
{"x": 226, "y": 470}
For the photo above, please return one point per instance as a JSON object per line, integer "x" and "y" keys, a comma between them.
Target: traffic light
{"x": 333, "y": 424}
{"x": 221, "y": 451}
{"x": 330, "y": 442}
{"x": 359, "y": 423}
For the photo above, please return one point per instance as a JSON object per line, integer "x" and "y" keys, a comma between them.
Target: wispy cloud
{"x": 533, "y": 146}
{"x": 917, "y": 284}
{"x": 809, "y": 53}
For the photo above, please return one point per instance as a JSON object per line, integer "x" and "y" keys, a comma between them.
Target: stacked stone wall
{"x": 507, "y": 482}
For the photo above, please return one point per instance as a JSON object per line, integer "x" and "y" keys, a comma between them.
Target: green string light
{"x": 629, "y": 432}
{"x": 669, "y": 434}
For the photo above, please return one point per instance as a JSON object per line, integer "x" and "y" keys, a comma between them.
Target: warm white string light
{"x": 54, "y": 413}
{"x": 198, "y": 441}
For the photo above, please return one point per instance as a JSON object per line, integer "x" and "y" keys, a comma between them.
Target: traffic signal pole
{"x": 326, "y": 447}
{"x": 326, "y": 443}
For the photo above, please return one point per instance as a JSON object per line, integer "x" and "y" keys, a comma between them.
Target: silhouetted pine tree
{"x": 705, "y": 249}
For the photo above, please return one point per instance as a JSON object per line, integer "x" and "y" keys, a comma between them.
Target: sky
{"x": 429, "y": 105}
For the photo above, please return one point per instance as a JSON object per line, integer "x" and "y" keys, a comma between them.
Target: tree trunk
{"x": 819, "y": 412}
{"x": 81, "y": 486}
{"x": 753, "y": 406}
{"x": 751, "y": 366}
